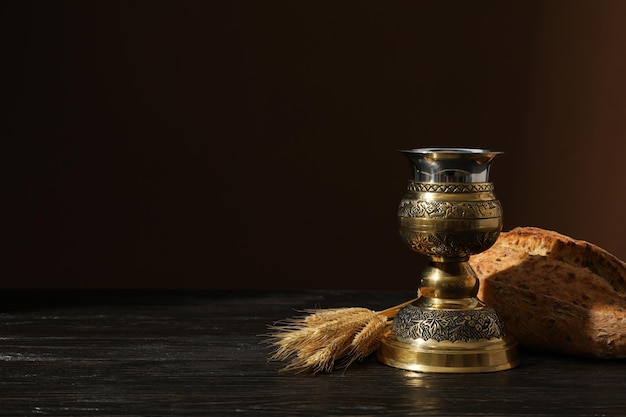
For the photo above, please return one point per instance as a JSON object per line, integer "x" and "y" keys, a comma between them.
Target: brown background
{"x": 252, "y": 144}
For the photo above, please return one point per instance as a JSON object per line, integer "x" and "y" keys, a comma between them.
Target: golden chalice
{"x": 448, "y": 213}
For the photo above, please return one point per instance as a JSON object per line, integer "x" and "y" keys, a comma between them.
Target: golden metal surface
{"x": 449, "y": 357}
{"x": 447, "y": 329}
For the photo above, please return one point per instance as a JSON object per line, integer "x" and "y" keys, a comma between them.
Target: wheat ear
{"x": 328, "y": 338}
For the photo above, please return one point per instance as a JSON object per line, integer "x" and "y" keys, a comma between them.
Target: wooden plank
{"x": 199, "y": 353}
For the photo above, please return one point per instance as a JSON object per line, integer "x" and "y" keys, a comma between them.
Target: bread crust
{"x": 554, "y": 293}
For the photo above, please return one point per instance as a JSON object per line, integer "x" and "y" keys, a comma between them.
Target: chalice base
{"x": 448, "y": 341}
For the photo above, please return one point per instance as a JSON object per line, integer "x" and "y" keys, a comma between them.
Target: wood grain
{"x": 124, "y": 353}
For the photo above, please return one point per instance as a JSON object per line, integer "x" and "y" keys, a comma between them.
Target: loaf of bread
{"x": 556, "y": 294}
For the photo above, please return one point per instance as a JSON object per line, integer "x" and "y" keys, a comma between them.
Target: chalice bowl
{"x": 449, "y": 212}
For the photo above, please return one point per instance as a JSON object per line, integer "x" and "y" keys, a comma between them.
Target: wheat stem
{"x": 392, "y": 311}
{"x": 326, "y": 338}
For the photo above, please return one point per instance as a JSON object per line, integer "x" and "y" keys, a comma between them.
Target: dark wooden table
{"x": 184, "y": 353}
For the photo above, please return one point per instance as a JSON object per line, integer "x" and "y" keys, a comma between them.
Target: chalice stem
{"x": 448, "y": 283}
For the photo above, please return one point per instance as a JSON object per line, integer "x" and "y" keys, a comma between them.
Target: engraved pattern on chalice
{"x": 449, "y": 212}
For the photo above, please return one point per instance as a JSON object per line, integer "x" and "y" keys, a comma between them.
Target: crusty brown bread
{"x": 556, "y": 294}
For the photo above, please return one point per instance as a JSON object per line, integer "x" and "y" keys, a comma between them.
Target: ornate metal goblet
{"x": 448, "y": 213}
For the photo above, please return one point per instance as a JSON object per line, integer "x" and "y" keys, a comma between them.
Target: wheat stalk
{"x": 328, "y": 338}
